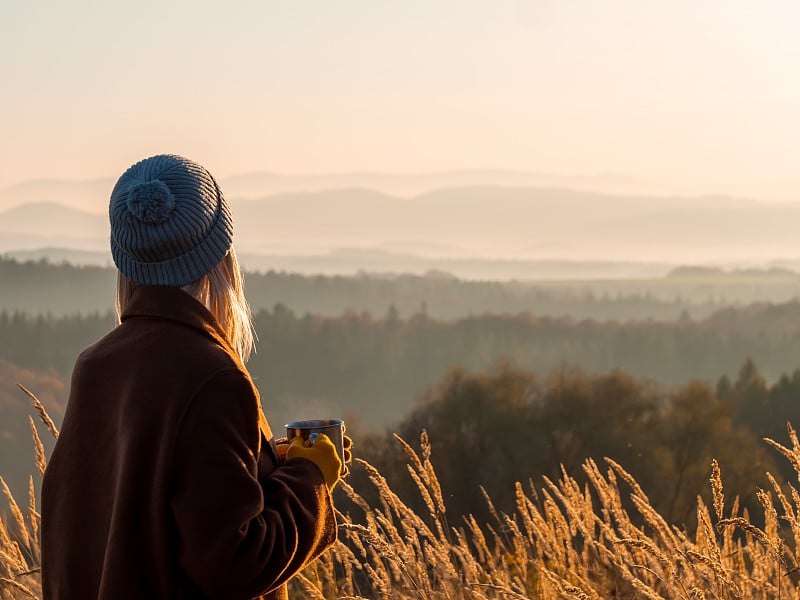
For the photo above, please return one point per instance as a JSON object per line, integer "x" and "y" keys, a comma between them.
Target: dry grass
{"x": 563, "y": 540}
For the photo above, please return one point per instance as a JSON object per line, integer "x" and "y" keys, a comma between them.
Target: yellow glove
{"x": 322, "y": 453}
{"x": 282, "y": 444}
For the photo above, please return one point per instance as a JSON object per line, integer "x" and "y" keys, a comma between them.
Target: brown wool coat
{"x": 164, "y": 482}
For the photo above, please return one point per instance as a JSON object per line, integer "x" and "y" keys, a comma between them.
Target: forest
{"x": 494, "y": 428}
{"x": 42, "y": 287}
{"x": 503, "y": 384}
{"x": 372, "y": 367}
{"x": 504, "y": 396}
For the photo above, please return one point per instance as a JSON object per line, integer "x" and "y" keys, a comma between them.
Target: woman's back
{"x": 165, "y": 481}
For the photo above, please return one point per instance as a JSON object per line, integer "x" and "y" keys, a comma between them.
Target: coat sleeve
{"x": 239, "y": 537}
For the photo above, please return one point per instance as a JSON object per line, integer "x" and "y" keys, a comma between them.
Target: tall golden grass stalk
{"x": 561, "y": 541}
{"x": 41, "y": 460}
{"x": 565, "y": 541}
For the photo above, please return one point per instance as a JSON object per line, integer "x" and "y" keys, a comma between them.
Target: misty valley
{"x": 381, "y": 351}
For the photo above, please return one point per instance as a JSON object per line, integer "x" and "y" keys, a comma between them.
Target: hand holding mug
{"x": 321, "y": 452}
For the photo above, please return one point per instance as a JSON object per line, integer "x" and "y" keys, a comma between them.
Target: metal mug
{"x": 308, "y": 430}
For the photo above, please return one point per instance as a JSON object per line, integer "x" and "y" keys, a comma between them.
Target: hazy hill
{"x": 755, "y": 231}
{"x": 48, "y": 224}
{"x": 482, "y": 221}
{"x": 477, "y": 222}
{"x": 92, "y": 195}
{"x": 254, "y": 185}
{"x": 51, "y": 219}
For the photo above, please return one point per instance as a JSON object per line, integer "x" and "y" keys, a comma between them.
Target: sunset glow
{"x": 700, "y": 96}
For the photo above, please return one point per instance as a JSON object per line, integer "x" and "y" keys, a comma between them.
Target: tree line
{"x": 370, "y": 368}
{"x": 41, "y": 287}
{"x": 491, "y": 429}
{"x": 492, "y": 420}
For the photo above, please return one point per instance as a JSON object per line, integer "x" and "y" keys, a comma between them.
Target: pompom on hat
{"x": 170, "y": 223}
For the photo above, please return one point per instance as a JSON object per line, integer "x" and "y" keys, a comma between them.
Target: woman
{"x": 166, "y": 481}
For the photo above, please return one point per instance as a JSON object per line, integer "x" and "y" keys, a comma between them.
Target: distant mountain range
{"x": 92, "y": 195}
{"x": 89, "y": 196}
{"x": 256, "y": 185}
{"x": 51, "y": 219}
{"x": 489, "y": 223}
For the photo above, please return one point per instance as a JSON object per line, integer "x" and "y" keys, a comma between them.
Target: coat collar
{"x": 172, "y": 303}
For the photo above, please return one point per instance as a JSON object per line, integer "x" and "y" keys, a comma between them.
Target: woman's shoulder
{"x": 161, "y": 348}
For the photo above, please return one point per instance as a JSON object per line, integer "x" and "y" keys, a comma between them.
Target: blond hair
{"x": 221, "y": 291}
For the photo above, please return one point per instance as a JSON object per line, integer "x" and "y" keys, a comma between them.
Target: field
{"x": 563, "y": 541}
{"x": 433, "y": 348}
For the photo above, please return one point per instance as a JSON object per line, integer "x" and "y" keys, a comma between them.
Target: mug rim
{"x": 314, "y": 423}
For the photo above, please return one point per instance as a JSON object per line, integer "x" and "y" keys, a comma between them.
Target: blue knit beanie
{"x": 170, "y": 223}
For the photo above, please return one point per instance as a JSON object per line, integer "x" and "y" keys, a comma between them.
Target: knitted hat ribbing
{"x": 170, "y": 223}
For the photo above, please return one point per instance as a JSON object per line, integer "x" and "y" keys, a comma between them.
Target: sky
{"x": 698, "y": 94}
